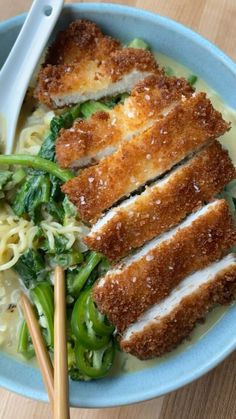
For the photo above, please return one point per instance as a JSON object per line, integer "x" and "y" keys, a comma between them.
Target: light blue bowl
{"x": 217, "y": 70}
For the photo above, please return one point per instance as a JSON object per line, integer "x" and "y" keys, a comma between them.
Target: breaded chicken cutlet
{"x": 163, "y": 204}
{"x": 90, "y": 140}
{"x": 165, "y": 325}
{"x": 84, "y": 64}
{"x": 189, "y": 126}
{"x": 149, "y": 275}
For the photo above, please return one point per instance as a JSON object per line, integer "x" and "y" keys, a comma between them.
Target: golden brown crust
{"x": 90, "y": 75}
{"x": 148, "y": 100}
{"x": 158, "y": 209}
{"x": 126, "y": 294}
{"x": 80, "y": 39}
{"x": 162, "y": 337}
{"x": 86, "y": 138}
{"x": 82, "y": 60}
{"x": 123, "y": 61}
{"x": 186, "y": 128}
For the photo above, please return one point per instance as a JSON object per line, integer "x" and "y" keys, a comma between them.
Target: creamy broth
{"x": 10, "y": 284}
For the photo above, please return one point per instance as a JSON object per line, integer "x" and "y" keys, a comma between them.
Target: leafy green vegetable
{"x": 77, "y": 280}
{"x": 230, "y": 200}
{"x": 60, "y": 245}
{"x": 138, "y": 43}
{"x": 42, "y": 296}
{"x": 8, "y": 181}
{"x": 25, "y": 345}
{"x": 231, "y": 188}
{"x": 92, "y": 106}
{"x": 192, "y": 79}
{"x": 169, "y": 71}
{"x": 60, "y": 254}
{"x": 98, "y": 271}
{"x": 17, "y": 177}
{"x": 30, "y": 198}
{"x": 103, "y": 266}
{"x": 31, "y": 268}
{"x": 55, "y": 204}
{"x": 65, "y": 260}
{"x": 69, "y": 208}
{"x": 113, "y": 101}
{"x": 65, "y": 120}
{"x": 37, "y": 162}
{"x": 40, "y": 188}
{"x": 5, "y": 176}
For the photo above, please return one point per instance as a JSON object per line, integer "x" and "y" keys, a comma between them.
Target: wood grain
{"x": 213, "y": 396}
{"x": 61, "y": 394}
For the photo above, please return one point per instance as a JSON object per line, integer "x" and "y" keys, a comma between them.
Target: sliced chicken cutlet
{"x": 90, "y": 140}
{"x": 149, "y": 275}
{"x": 190, "y": 125}
{"x": 84, "y": 64}
{"x": 165, "y": 325}
{"x": 81, "y": 39}
{"x": 163, "y": 204}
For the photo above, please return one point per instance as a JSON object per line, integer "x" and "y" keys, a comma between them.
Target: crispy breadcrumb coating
{"x": 84, "y": 64}
{"x": 185, "y": 129}
{"x": 163, "y": 335}
{"x": 141, "y": 281}
{"x": 89, "y": 140}
{"x": 163, "y": 204}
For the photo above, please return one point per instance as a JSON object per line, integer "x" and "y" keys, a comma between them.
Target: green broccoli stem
{"x": 37, "y": 162}
{"x": 42, "y": 296}
{"x": 25, "y": 346}
{"x": 75, "y": 284}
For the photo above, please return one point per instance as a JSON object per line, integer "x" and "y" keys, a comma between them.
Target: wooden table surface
{"x": 213, "y": 396}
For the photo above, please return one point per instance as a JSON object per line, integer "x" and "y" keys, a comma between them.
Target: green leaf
{"x": 69, "y": 208}
{"x": 169, "y": 71}
{"x": 5, "y": 176}
{"x": 66, "y": 260}
{"x": 65, "y": 120}
{"x": 31, "y": 196}
{"x": 92, "y": 106}
{"x": 192, "y": 79}
{"x": 31, "y": 268}
{"x": 139, "y": 43}
{"x": 60, "y": 243}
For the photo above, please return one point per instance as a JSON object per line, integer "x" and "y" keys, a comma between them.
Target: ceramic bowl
{"x": 219, "y": 71}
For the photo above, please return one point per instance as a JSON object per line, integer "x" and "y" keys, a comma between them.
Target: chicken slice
{"x": 84, "y": 64}
{"x": 165, "y": 325}
{"x": 188, "y": 127}
{"x": 90, "y": 140}
{"x": 163, "y": 204}
{"x": 149, "y": 275}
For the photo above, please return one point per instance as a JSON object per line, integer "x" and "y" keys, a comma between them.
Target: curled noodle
{"x": 73, "y": 231}
{"x": 34, "y": 131}
{"x": 16, "y": 236}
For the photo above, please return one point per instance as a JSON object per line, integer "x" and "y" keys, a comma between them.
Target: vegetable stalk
{"x": 76, "y": 283}
{"x": 37, "y": 162}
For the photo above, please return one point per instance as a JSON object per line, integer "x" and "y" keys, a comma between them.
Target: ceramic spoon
{"x": 16, "y": 73}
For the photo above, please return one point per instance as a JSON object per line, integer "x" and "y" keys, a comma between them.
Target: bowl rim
{"x": 230, "y": 344}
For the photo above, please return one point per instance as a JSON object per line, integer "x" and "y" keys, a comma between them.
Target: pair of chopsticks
{"x": 55, "y": 379}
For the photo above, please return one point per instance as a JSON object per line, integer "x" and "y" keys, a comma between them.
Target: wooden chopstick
{"x": 42, "y": 355}
{"x": 61, "y": 399}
